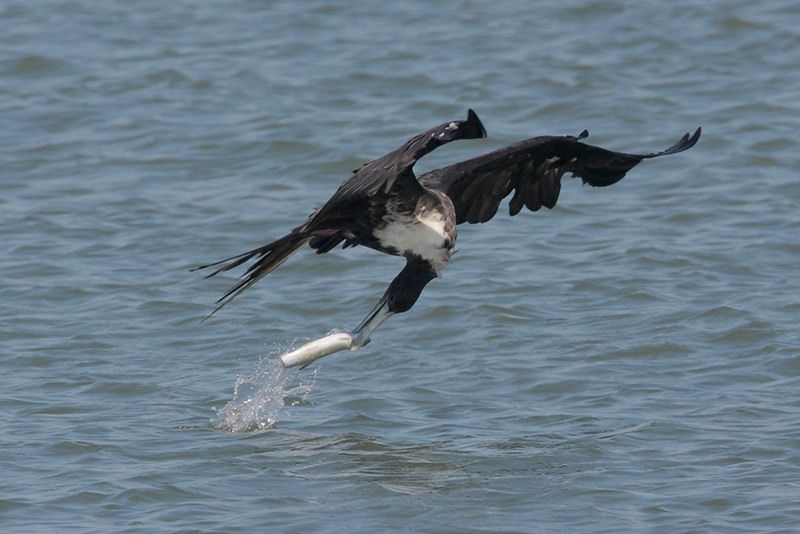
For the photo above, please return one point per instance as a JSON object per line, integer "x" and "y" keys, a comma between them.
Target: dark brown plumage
{"x": 532, "y": 169}
{"x": 384, "y": 206}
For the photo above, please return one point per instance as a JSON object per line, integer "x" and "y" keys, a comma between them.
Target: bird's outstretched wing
{"x": 379, "y": 175}
{"x": 532, "y": 169}
{"x": 426, "y": 142}
{"x": 395, "y": 169}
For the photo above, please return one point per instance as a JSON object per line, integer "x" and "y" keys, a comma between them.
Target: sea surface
{"x": 627, "y": 362}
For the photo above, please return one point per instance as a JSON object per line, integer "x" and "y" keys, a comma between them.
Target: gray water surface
{"x": 627, "y": 362}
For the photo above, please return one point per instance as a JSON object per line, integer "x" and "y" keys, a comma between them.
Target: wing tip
{"x": 473, "y": 120}
{"x": 686, "y": 142}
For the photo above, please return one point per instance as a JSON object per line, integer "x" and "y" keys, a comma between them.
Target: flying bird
{"x": 386, "y": 207}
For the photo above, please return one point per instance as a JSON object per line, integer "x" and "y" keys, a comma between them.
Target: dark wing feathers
{"x": 532, "y": 169}
{"x": 380, "y": 175}
{"x": 601, "y": 167}
{"x": 424, "y": 143}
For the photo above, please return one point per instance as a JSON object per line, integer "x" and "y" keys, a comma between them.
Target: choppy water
{"x": 629, "y": 361}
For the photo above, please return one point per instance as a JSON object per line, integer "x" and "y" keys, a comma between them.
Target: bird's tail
{"x": 269, "y": 257}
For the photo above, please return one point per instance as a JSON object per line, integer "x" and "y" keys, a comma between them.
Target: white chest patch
{"x": 422, "y": 234}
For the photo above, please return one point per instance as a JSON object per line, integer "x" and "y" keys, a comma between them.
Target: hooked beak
{"x": 372, "y": 321}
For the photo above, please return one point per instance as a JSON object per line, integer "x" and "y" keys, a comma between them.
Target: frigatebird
{"x": 386, "y": 207}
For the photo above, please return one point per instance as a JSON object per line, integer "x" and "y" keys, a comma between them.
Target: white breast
{"x": 422, "y": 234}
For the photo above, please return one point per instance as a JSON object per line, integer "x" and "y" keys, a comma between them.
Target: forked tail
{"x": 269, "y": 257}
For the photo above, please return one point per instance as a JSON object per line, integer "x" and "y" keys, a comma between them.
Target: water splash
{"x": 259, "y": 398}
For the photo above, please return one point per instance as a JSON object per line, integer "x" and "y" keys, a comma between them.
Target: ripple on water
{"x": 33, "y": 66}
{"x": 625, "y": 362}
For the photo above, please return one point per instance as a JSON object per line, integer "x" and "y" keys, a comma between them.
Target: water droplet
{"x": 259, "y": 397}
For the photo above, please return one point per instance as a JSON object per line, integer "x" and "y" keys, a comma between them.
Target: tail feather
{"x": 270, "y": 257}
{"x": 240, "y": 259}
